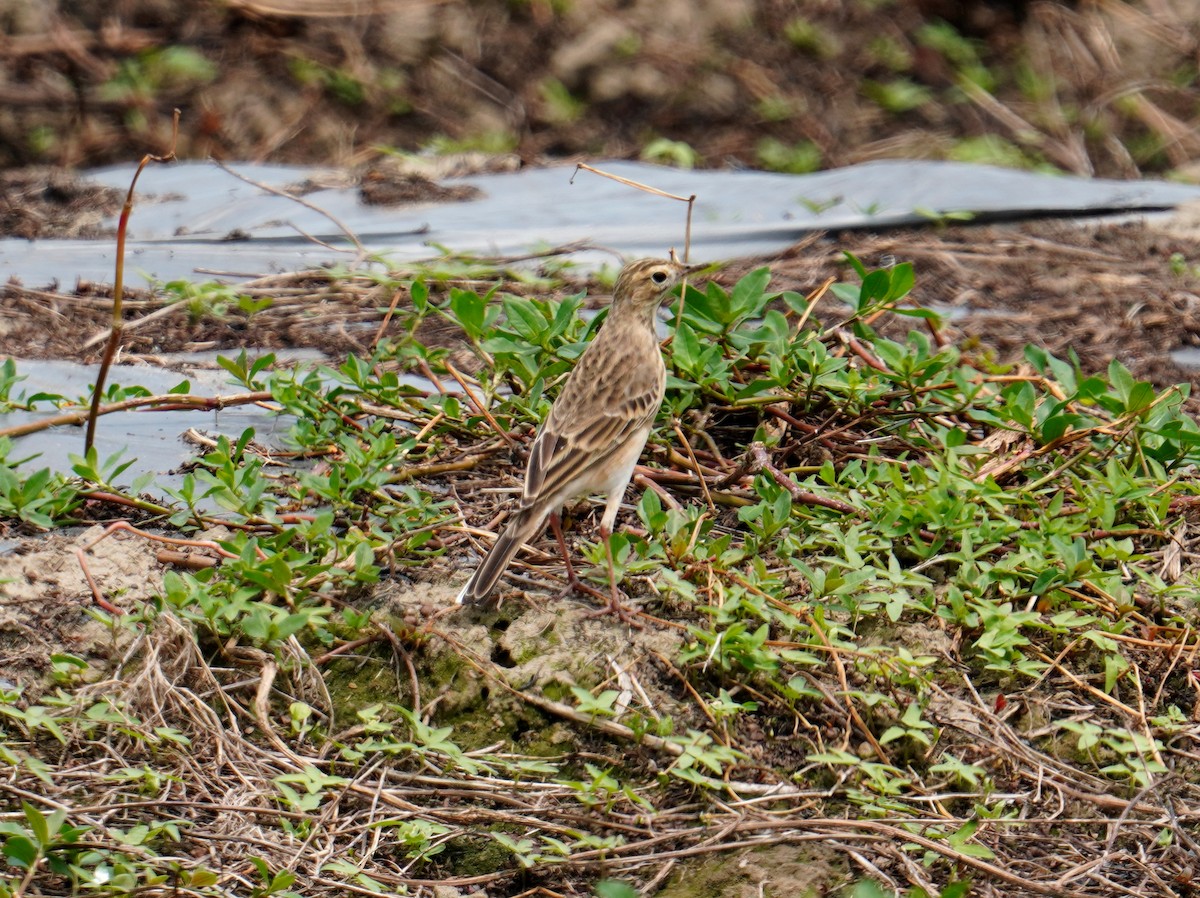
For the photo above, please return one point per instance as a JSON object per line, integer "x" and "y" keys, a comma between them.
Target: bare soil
{"x": 47, "y": 597}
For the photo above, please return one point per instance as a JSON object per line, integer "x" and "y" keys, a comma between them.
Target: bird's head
{"x": 646, "y": 283}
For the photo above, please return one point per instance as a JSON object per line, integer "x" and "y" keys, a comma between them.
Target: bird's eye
{"x": 659, "y": 277}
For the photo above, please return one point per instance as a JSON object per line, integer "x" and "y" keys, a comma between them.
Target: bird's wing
{"x": 597, "y": 413}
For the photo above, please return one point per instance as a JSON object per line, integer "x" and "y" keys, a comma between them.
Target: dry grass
{"x": 1064, "y": 832}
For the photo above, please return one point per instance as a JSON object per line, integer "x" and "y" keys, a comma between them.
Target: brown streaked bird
{"x": 597, "y": 428}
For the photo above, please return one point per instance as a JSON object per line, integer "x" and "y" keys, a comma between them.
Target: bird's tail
{"x": 521, "y": 527}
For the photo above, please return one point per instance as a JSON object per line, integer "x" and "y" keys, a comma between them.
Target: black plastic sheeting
{"x": 195, "y": 221}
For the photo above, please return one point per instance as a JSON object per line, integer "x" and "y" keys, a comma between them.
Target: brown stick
{"x": 687, "y": 230}
{"x": 480, "y": 407}
{"x": 762, "y": 461}
{"x": 162, "y": 402}
{"x": 114, "y": 336}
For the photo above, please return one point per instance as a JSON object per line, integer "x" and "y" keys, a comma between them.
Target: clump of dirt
{"x": 382, "y": 184}
{"x": 528, "y": 648}
{"x": 799, "y": 871}
{"x": 45, "y": 202}
{"x": 46, "y": 599}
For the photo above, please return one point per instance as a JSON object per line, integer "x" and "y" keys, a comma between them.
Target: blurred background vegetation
{"x": 1102, "y": 87}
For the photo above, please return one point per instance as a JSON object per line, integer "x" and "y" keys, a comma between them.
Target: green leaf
{"x": 468, "y": 309}
{"x": 685, "y": 348}
{"x": 613, "y": 888}
{"x": 21, "y": 851}
{"x": 902, "y": 281}
{"x": 419, "y": 293}
{"x": 38, "y": 823}
{"x": 746, "y": 300}
{"x": 858, "y": 266}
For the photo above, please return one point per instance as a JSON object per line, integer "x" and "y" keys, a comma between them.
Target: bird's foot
{"x": 612, "y": 601}
{"x": 613, "y": 606}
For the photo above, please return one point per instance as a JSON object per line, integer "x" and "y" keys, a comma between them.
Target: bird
{"x": 596, "y": 429}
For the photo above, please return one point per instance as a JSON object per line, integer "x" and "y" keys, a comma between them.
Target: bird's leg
{"x": 573, "y": 581}
{"x": 614, "y": 605}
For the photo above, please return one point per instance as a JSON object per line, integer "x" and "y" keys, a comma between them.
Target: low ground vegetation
{"x": 927, "y": 620}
